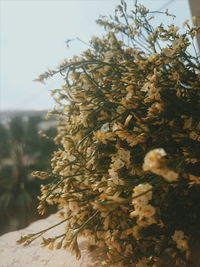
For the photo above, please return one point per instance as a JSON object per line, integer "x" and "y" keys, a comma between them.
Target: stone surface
{"x": 12, "y": 255}
{"x": 36, "y": 256}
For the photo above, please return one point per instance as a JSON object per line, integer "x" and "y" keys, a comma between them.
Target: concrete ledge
{"x": 35, "y": 256}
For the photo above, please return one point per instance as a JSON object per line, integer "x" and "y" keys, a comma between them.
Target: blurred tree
{"x": 22, "y": 150}
{"x": 4, "y": 143}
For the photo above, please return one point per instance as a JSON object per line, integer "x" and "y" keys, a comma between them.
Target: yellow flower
{"x": 178, "y": 235}
{"x": 117, "y": 164}
{"x": 104, "y": 137}
{"x": 154, "y": 161}
{"x": 182, "y": 245}
{"x": 147, "y": 211}
{"x": 186, "y": 23}
{"x": 142, "y": 188}
{"x": 195, "y": 20}
{"x": 181, "y": 240}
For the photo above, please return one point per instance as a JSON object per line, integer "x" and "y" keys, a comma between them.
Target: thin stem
{"x": 62, "y": 179}
{"x": 55, "y": 225}
{"x": 93, "y": 130}
{"x": 88, "y": 221}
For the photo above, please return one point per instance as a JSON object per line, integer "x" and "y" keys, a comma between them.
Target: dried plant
{"x": 127, "y": 171}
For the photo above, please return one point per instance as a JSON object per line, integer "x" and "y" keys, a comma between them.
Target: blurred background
{"x": 33, "y": 39}
{"x": 22, "y": 150}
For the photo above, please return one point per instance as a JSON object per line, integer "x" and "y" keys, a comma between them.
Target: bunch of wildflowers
{"x": 126, "y": 173}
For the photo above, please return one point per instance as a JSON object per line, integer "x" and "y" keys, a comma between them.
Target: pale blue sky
{"x": 32, "y": 39}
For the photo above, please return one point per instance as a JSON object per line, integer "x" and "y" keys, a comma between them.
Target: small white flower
{"x": 152, "y": 159}
{"x": 147, "y": 211}
{"x": 117, "y": 164}
{"x": 105, "y": 127}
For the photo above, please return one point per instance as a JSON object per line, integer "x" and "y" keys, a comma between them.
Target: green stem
{"x": 88, "y": 221}
{"x": 47, "y": 229}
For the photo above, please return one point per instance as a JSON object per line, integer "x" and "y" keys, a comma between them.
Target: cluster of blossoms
{"x": 181, "y": 240}
{"x": 142, "y": 194}
{"x": 126, "y": 172}
{"x": 154, "y": 161}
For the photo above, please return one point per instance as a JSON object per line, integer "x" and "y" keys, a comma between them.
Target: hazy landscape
{"x": 22, "y": 151}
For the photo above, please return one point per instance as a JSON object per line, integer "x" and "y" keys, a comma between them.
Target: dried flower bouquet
{"x": 126, "y": 174}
